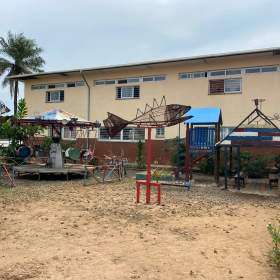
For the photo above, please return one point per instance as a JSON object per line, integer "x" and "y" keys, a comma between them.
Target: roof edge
{"x": 146, "y": 63}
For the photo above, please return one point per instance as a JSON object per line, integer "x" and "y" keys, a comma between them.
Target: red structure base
{"x": 140, "y": 183}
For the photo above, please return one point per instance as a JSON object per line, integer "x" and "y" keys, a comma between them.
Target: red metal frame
{"x": 148, "y": 182}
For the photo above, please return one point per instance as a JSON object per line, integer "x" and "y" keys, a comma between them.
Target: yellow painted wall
{"x": 192, "y": 92}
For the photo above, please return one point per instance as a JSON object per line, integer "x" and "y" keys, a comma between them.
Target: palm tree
{"x": 18, "y": 55}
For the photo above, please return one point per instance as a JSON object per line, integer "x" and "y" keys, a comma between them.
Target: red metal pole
{"x": 149, "y": 160}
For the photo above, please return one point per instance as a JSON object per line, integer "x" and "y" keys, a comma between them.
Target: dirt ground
{"x": 64, "y": 230}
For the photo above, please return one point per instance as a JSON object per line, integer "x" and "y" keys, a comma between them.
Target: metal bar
{"x": 225, "y": 167}
{"x": 238, "y": 167}
{"x": 149, "y": 160}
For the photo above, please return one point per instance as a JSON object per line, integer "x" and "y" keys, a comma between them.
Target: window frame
{"x": 160, "y": 135}
{"x": 126, "y": 87}
{"x": 70, "y": 132}
{"x": 224, "y": 84}
{"x": 61, "y": 93}
{"x": 121, "y": 138}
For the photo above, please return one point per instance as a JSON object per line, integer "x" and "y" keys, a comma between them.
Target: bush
{"x": 206, "y": 166}
{"x": 257, "y": 167}
{"x": 274, "y": 232}
{"x": 140, "y": 160}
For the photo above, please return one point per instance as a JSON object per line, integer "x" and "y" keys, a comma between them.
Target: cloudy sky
{"x": 86, "y": 33}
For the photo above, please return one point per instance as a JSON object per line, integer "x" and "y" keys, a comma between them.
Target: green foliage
{"x": 256, "y": 167}
{"x": 277, "y": 163}
{"x": 206, "y": 166}
{"x": 274, "y": 232}
{"x": 17, "y": 133}
{"x": 22, "y": 109}
{"x": 19, "y": 55}
{"x": 178, "y": 153}
{"x": 46, "y": 144}
{"x": 140, "y": 160}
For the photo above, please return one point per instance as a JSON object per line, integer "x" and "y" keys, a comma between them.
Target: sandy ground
{"x": 56, "y": 230}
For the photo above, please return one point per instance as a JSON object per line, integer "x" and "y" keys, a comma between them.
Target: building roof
{"x": 273, "y": 51}
{"x": 207, "y": 115}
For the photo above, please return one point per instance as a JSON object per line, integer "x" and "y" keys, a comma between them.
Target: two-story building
{"x": 229, "y": 81}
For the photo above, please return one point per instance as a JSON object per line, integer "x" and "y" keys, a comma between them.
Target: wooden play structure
{"x": 153, "y": 116}
{"x": 202, "y": 133}
{"x": 256, "y": 130}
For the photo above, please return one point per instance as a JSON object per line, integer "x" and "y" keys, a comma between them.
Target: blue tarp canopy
{"x": 208, "y": 115}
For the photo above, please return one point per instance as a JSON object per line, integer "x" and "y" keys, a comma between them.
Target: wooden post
{"x": 217, "y": 155}
{"x": 188, "y": 154}
{"x": 238, "y": 167}
{"x": 225, "y": 167}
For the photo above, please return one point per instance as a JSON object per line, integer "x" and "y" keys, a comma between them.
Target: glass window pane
{"x": 133, "y": 80}
{"x": 269, "y": 69}
{"x": 252, "y": 70}
{"x": 139, "y": 133}
{"x": 148, "y": 79}
{"x": 160, "y": 78}
{"x": 232, "y": 85}
{"x": 233, "y": 72}
{"x": 127, "y": 133}
{"x": 217, "y": 73}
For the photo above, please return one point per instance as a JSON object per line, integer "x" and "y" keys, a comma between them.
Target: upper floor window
{"x": 127, "y": 92}
{"x": 58, "y": 85}
{"x": 34, "y": 87}
{"x": 55, "y": 96}
{"x": 224, "y": 86}
{"x": 228, "y": 72}
{"x": 131, "y": 80}
{"x": 76, "y": 84}
{"x": 192, "y": 75}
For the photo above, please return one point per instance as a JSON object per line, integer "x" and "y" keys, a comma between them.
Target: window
{"x": 184, "y": 76}
{"x": 34, "y": 87}
{"x": 128, "y": 92}
{"x": 160, "y": 131}
{"x": 55, "y": 96}
{"x": 232, "y": 85}
{"x": 217, "y": 73}
{"x": 269, "y": 69}
{"x": 129, "y": 134}
{"x": 105, "y": 82}
{"x": 56, "y": 85}
{"x": 194, "y": 75}
{"x": 76, "y": 84}
{"x": 200, "y": 74}
{"x": 224, "y": 86}
{"x": 233, "y": 72}
{"x": 252, "y": 70}
{"x": 154, "y": 78}
{"x": 69, "y": 133}
{"x": 133, "y": 80}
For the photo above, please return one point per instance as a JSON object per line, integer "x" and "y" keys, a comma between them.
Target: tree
{"x": 17, "y": 134}
{"x": 18, "y": 55}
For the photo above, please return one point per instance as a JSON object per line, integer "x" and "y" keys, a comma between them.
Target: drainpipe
{"x": 88, "y": 102}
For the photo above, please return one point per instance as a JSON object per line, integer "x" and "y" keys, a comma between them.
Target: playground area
{"x": 65, "y": 230}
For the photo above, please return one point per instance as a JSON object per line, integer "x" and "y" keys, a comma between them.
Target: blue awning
{"x": 208, "y": 115}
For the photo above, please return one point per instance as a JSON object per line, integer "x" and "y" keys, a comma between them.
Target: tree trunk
{"x": 15, "y": 96}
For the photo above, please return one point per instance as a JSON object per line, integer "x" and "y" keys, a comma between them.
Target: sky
{"x": 89, "y": 33}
